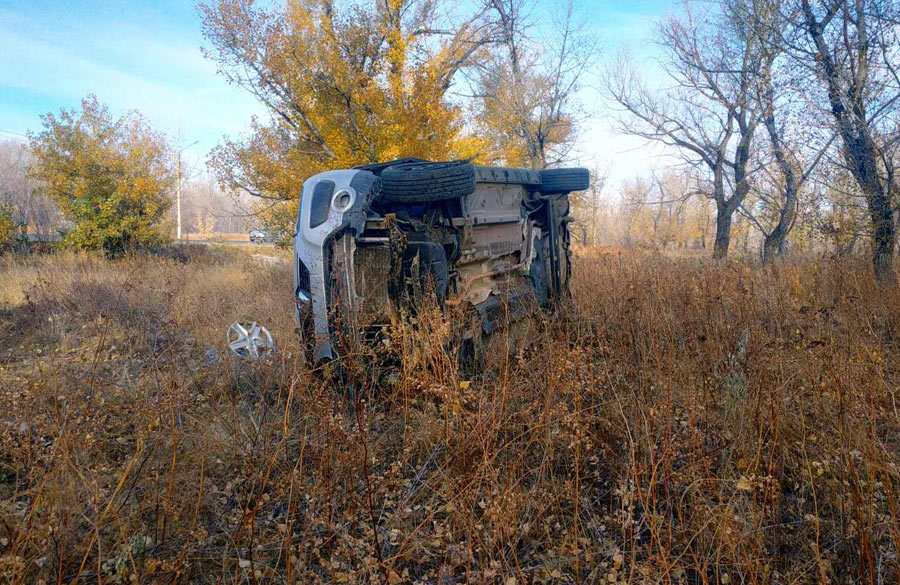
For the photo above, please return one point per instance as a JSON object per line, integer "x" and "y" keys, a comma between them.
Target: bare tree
{"x": 789, "y": 175}
{"x": 839, "y": 214}
{"x": 635, "y": 195}
{"x": 796, "y": 146}
{"x": 22, "y": 193}
{"x": 587, "y": 207}
{"x": 658, "y": 209}
{"x": 205, "y": 206}
{"x": 707, "y": 113}
{"x": 526, "y": 89}
{"x": 852, "y": 48}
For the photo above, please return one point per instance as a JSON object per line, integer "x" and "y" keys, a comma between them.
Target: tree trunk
{"x": 723, "y": 233}
{"x": 774, "y": 242}
{"x": 884, "y": 236}
{"x": 860, "y": 150}
{"x": 725, "y": 207}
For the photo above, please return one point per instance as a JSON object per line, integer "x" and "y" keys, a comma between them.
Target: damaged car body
{"x": 372, "y": 240}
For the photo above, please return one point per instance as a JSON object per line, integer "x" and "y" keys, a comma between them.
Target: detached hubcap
{"x": 249, "y": 340}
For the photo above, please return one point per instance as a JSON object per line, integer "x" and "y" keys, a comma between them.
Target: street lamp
{"x": 178, "y": 190}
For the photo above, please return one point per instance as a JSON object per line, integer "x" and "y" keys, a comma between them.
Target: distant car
{"x": 371, "y": 239}
{"x": 258, "y": 236}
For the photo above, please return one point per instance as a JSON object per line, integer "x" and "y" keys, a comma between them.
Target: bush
{"x": 110, "y": 176}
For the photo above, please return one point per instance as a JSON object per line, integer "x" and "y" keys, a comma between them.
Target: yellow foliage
{"x": 109, "y": 176}
{"x": 346, "y": 84}
{"x": 519, "y": 131}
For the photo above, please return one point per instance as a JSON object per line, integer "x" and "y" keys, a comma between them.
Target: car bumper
{"x": 332, "y": 215}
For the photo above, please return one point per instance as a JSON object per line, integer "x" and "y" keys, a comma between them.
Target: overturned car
{"x": 373, "y": 240}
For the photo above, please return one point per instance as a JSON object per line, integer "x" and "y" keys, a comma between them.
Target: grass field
{"x": 677, "y": 422}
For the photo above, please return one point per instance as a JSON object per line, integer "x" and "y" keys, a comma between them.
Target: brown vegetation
{"x": 679, "y": 422}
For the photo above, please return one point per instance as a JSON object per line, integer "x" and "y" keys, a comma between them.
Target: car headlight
{"x": 303, "y": 299}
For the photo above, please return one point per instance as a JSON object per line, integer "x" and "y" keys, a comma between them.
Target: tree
{"x": 205, "y": 204}
{"x": 853, "y": 50}
{"x": 110, "y": 176}
{"x": 587, "y": 207}
{"x": 796, "y": 143}
{"x": 662, "y": 211}
{"x": 22, "y": 195}
{"x": 526, "y": 90}
{"x": 708, "y": 113}
{"x": 839, "y": 213}
{"x": 345, "y": 83}
{"x": 635, "y": 224}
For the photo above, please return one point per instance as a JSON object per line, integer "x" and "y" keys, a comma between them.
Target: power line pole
{"x": 178, "y": 198}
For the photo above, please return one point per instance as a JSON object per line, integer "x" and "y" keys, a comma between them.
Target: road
{"x": 227, "y": 242}
{"x": 56, "y": 238}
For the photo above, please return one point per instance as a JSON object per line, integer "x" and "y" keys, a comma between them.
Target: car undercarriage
{"x": 373, "y": 242}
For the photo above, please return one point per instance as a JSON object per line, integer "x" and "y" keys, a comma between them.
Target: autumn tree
{"x": 345, "y": 83}
{"x": 109, "y": 175}
{"x": 526, "y": 86}
{"x": 706, "y": 112}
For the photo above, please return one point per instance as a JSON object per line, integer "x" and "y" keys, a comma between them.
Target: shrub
{"x": 110, "y": 176}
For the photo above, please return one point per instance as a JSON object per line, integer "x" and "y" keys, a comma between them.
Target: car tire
{"x": 430, "y": 181}
{"x": 555, "y": 181}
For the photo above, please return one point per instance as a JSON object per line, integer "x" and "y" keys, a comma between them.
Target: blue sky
{"x": 146, "y": 55}
{"x": 143, "y": 55}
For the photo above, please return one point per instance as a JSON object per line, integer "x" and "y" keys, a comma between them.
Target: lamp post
{"x": 178, "y": 190}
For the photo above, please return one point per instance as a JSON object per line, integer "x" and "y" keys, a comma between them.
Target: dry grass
{"x": 678, "y": 422}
